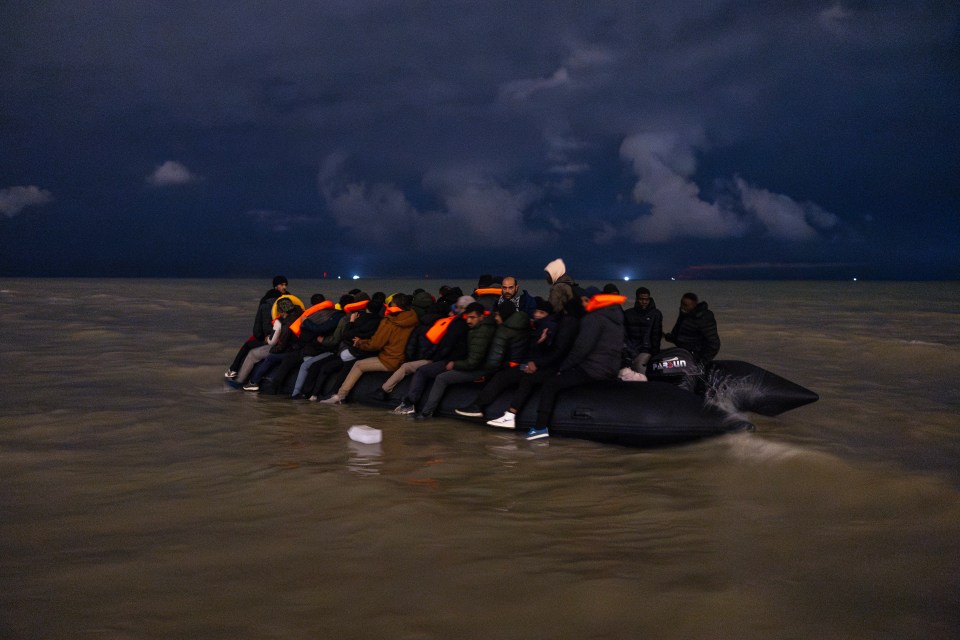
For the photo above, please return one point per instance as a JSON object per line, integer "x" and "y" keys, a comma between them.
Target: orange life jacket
{"x": 356, "y": 306}
{"x": 439, "y": 329}
{"x": 488, "y": 291}
{"x": 295, "y": 327}
{"x": 602, "y": 300}
{"x": 390, "y": 310}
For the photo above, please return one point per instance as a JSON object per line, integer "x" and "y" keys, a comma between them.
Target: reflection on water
{"x": 140, "y": 499}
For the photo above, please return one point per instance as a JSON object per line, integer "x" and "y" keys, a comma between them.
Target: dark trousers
{"x": 505, "y": 379}
{"x": 290, "y": 361}
{"x": 551, "y": 389}
{"x": 320, "y": 371}
{"x": 423, "y": 375}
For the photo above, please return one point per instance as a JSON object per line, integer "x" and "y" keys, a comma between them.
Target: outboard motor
{"x": 676, "y": 366}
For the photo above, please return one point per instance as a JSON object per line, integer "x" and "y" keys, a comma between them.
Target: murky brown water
{"x": 138, "y": 499}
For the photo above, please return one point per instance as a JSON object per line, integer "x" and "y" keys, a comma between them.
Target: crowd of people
{"x": 498, "y": 334}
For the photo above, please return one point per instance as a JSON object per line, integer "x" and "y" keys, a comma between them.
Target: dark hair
{"x": 317, "y": 298}
{"x": 353, "y": 292}
{"x": 475, "y": 307}
{"x": 279, "y": 280}
{"x": 401, "y": 300}
{"x": 506, "y": 309}
{"x": 345, "y": 299}
{"x": 690, "y": 296}
{"x": 484, "y": 281}
{"x": 642, "y": 290}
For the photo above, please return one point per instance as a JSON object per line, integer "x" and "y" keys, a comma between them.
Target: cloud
{"x": 171, "y": 173}
{"x": 781, "y": 216}
{"x": 520, "y": 90}
{"x": 664, "y": 163}
{"x": 13, "y": 200}
{"x": 473, "y": 210}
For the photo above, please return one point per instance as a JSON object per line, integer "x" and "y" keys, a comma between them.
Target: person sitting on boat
{"x": 695, "y": 329}
{"x": 287, "y": 311}
{"x": 522, "y": 301}
{"x": 262, "y": 324}
{"x": 561, "y": 284}
{"x": 321, "y": 333}
{"x": 388, "y": 342}
{"x": 547, "y": 352}
{"x": 643, "y": 330}
{"x": 509, "y": 341}
{"x": 357, "y": 322}
{"x": 488, "y": 291}
{"x": 432, "y": 341}
{"x": 472, "y": 350}
{"x": 282, "y": 360}
{"x": 595, "y": 354}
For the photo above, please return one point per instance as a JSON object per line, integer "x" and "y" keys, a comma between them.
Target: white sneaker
{"x": 230, "y": 373}
{"x": 506, "y": 421}
{"x": 334, "y": 399}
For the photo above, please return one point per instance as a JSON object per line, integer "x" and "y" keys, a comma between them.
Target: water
{"x": 141, "y": 500}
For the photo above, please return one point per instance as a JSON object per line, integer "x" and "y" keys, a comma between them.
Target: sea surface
{"x": 139, "y": 498}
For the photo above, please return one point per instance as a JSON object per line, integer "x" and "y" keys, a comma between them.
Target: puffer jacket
{"x": 697, "y": 333}
{"x": 263, "y": 322}
{"x": 510, "y": 343}
{"x": 478, "y": 343}
{"x": 599, "y": 343}
{"x": 643, "y": 330}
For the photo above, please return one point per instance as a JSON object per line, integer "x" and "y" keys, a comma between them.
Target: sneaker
{"x": 231, "y": 374}
{"x": 313, "y": 398}
{"x": 471, "y": 411}
{"x": 334, "y": 399}
{"x": 404, "y": 409}
{"x": 251, "y": 386}
{"x": 233, "y": 384}
{"x": 537, "y": 432}
{"x": 506, "y": 421}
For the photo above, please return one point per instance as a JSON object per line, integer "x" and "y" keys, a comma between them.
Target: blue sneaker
{"x": 538, "y": 432}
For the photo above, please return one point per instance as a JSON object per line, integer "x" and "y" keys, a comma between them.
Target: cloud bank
{"x": 171, "y": 174}
{"x": 13, "y": 200}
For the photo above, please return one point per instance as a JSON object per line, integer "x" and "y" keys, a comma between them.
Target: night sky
{"x": 709, "y": 139}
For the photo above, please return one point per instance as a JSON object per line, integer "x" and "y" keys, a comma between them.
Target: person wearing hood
{"x": 695, "y": 329}
{"x": 595, "y": 354}
{"x": 262, "y": 325}
{"x": 388, "y": 342}
{"x": 643, "y": 330}
{"x": 561, "y": 285}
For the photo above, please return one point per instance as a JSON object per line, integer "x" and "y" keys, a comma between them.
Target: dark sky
{"x": 709, "y": 139}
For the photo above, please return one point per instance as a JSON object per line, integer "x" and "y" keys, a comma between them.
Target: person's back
{"x": 597, "y": 348}
{"x": 510, "y": 340}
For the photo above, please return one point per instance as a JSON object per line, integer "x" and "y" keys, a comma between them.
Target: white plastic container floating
{"x": 366, "y": 435}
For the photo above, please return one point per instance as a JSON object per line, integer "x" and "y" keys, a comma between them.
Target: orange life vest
{"x": 488, "y": 291}
{"x": 604, "y": 300}
{"x": 439, "y": 329}
{"x": 295, "y": 327}
{"x": 356, "y": 306}
{"x": 390, "y": 310}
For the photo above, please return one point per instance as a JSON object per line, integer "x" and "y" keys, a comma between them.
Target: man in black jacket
{"x": 696, "y": 329}
{"x": 595, "y": 354}
{"x": 262, "y": 324}
{"x": 643, "y": 330}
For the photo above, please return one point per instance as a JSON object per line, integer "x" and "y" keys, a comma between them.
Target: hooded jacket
{"x": 561, "y": 285}
{"x": 697, "y": 333}
{"x": 597, "y": 349}
{"x": 390, "y": 339}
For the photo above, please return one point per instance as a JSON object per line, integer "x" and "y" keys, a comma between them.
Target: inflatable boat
{"x": 679, "y": 403}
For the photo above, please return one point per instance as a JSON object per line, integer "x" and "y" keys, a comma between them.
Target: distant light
{"x": 356, "y": 277}
{"x": 626, "y": 278}
{"x": 673, "y": 278}
{"x": 854, "y": 279}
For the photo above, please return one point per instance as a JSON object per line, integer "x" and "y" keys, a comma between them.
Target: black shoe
{"x": 471, "y": 411}
{"x": 380, "y": 395}
{"x": 422, "y": 416}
